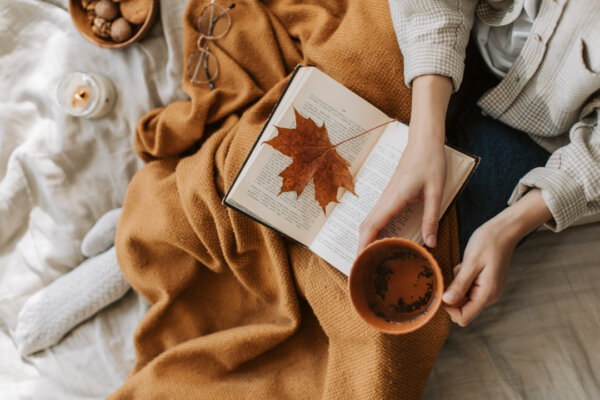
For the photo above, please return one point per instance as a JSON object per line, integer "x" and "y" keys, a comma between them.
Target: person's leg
{"x": 506, "y": 153}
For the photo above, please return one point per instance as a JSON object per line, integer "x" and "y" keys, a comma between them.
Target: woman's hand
{"x": 421, "y": 171}
{"x": 481, "y": 276}
{"x": 419, "y": 176}
{"x": 479, "y": 279}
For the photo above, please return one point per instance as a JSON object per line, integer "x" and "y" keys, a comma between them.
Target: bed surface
{"x": 540, "y": 341}
{"x": 59, "y": 174}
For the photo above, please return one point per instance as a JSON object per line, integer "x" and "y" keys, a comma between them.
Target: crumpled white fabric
{"x": 74, "y": 297}
{"x": 501, "y": 45}
{"x": 59, "y": 174}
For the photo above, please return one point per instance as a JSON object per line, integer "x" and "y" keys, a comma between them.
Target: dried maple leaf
{"x": 313, "y": 156}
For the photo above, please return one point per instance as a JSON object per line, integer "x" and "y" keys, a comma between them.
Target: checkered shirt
{"x": 552, "y": 91}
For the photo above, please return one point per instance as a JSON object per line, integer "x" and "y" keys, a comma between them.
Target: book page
{"x": 324, "y": 101}
{"x": 337, "y": 242}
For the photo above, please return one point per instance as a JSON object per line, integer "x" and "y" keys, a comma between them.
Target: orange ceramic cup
{"x": 396, "y": 285}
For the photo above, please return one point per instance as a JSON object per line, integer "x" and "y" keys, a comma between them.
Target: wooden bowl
{"x": 396, "y": 285}
{"x": 80, "y": 20}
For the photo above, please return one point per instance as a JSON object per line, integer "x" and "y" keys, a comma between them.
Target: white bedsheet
{"x": 59, "y": 174}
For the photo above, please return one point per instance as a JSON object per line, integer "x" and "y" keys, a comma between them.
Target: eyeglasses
{"x": 213, "y": 24}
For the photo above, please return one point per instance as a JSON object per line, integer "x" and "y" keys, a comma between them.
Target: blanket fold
{"x": 236, "y": 310}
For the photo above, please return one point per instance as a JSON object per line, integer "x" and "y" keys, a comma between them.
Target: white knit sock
{"x": 74, "y": 297}
{"x": 102, "y": 235}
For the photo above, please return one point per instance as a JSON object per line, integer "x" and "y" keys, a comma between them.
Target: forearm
{"x": 430, "y": 98}
{"x": 421, "y": 171}
{"x": 524, "y": 216}
{"x": 433, "y": 35}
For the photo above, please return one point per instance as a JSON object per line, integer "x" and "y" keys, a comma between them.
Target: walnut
{"x": 89, "y": 6}
{"x": 90, "y": 13}
{"x": 135, "y": 11}
{"x": 101, "y": 27}
{"x": 107, "y": 9}
{"x": 89, "y": 16}
{"x": 120, "y": 30}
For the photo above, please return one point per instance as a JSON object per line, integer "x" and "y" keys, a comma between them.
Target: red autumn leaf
{"x": 314, "y": 157}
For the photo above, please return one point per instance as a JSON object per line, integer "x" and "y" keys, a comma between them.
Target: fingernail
{"x": 430, "y": 241}
{"x": 450, "y": 297}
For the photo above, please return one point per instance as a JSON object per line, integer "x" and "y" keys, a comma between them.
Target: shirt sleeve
{"x": 433, "y": 36}
{"x": 570, "y": 181}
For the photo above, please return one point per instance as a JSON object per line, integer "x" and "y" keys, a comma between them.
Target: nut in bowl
{"x": 396, "y": 285}
{"x": 113, "y": 23}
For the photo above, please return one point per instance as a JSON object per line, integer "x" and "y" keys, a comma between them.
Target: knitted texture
{"x": 51, "y": 313}
{"x": 74, "y": 297}
{"x": 102, "y": 235}
{"x": 237, "y": 311}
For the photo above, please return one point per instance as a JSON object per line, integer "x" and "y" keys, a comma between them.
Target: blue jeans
{"x": 506, "y": 153}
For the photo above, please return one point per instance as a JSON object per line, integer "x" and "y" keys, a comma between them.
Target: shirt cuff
{"x": 564, "y": 196}
{"x": 423, "y": 59}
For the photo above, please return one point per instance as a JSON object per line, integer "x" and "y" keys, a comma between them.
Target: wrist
{"x": 426, "y": 134}
{"x": 523, "y": 217}
{"x": 430, "y": 98}
{"x": 508, "y": 227}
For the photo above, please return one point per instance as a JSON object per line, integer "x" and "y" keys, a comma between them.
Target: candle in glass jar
{"x": 86, "y": 95}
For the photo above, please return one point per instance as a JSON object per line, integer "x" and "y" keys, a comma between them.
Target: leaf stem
{"x": 367, "y": 131}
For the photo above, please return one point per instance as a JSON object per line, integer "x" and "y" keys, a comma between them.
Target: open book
{"x": 373, "y": 158}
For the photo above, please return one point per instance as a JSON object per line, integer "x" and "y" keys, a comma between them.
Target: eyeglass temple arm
{"x": 210, "y": 32}
{"x": 214, "y": 21}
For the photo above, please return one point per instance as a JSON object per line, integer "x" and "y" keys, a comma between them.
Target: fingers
{"x": 483, "y": 291}
{"x": 480, "y": 297}
{"x": 460, "y": 286}
{"x": 464, "y": 315}
{"x": 431, "y": 216}
{"x": 456, "y": 269}
{"x": 378, "y": 218}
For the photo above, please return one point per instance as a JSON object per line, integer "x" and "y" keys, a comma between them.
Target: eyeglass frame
{"x": 203, "y": 41}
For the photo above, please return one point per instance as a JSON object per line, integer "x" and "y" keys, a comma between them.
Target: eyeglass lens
{"x": 214, "y": 22}
{"x": 202, "y": 66}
